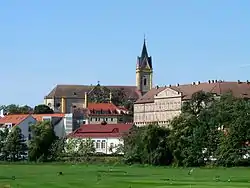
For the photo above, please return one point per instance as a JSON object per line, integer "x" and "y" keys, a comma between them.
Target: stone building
{"x": 161, "y": 104}
{"x": 62, "y": 97}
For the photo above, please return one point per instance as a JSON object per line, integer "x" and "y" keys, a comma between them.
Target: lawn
{"x": 46, "y": 176}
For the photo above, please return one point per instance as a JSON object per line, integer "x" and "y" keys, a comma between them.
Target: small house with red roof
{"x": 21, "y": 120}
{"x": 106, "y": 137}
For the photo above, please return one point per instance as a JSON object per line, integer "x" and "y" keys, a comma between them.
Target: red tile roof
{"x": 101, "y": 131}
{"x": 14, "y": 119}
{"x": 39, "y": 117}
{"x": 102, "y": 106}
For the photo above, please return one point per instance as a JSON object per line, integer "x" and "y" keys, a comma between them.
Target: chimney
{"x": 157, "y": 87}
{"x": 239, "y": 82}
{"x": 63, "y": 105}
{"x": 86, "y": 100}
{"x": 193, "y": 83}
{"x": 169, "y": 85}
{"x": 212, "y": 81}
{"x": 198, "y": 82}
{"x": 209, "y": 81}
{"x": 247, "y": 81}
{"x": 110, "y": 97}
{"x": 177, "y": 84}
{"x": 216, "y": 81}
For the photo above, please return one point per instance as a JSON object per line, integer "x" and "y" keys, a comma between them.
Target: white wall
{"x": 24, "y": 125}
{"x": 107, "y": 142}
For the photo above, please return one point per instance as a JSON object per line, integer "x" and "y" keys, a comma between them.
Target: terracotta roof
{"x": 101, "y": 131}
{"x": 78, "y": 91}
{"x": 14, "y": 119}
{"x": 102, "y": 106}
{"x": 238, "y": 89}
{"x": 39, "y": 117}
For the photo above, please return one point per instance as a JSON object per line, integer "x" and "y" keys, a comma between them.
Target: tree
{"x": 86, "y": 148}
{"x": 43, "y": 137}
{"x": 147, "y": 145}
{"x": 3, "y": 138}
{"x": 15, "y": 144}
{"x": 43, "y": 109}
{"x": 16, "y": 109}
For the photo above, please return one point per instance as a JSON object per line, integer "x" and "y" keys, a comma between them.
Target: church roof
{"x": 78, "y": 91}
{"x": 238, "y": 89}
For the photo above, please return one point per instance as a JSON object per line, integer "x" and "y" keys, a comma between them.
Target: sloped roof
{"x": 101, "y": 131}
{"x": 39, "y": 117}
{"x": 78, "y": 91}
{"x": 238, "y": 89}
{"x": 14, "y": 119}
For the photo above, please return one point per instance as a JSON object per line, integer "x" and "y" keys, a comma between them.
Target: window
{"x": 98, "y": 144}
{"x": 145, "y": 81}
{"x": 106, "y": 119}
{"x": 111, "y": 119}
{"x": 29, "y": 137}
{"x": 29, "y": 130}
{"x": 103, "y": 144}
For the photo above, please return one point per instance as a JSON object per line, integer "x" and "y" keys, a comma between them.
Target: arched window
{"x": 145, "y": 81}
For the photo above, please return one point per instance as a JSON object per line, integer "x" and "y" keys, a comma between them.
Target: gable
{"x": 168, "y": 92}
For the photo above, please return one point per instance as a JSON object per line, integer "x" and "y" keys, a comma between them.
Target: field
{"x": 49, "y": 176}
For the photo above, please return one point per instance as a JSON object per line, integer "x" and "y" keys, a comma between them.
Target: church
{"x": 63, "y": 97}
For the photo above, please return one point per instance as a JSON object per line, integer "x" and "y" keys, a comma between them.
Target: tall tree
{"x": 43, "y": 137}
{"x": 15, "y": 144}
{"x": 43, "y": 109}
{"x": 3, "y": 138}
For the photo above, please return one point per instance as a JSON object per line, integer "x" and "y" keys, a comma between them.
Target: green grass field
{"x": 44, "y": 176}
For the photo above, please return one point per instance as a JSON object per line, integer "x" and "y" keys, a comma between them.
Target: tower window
{"x": 145, "y": 81}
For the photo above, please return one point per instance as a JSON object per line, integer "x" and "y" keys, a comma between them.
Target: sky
{"x": 44, "y": 43}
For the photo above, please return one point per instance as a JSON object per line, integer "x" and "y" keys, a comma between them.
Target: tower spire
{"x": 144, "y": 52}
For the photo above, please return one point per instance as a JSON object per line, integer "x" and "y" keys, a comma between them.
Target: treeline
{"x": 16, "y": 109}
{"x": 209, "y": 131}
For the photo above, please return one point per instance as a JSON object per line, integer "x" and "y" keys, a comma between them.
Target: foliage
{"x": 43, "y": 137}
{"x": 43, "y": 109}
{"x": 147, "y": 145}
{"x": 16, "y": 109}
{"x": 101, "y": 94}
{"x": 79, "y": 148}
{"x": 15, "y": 145}
{"x": 3, "y": 138}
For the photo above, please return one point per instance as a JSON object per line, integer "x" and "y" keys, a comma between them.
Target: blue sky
{"x": 44, "y": 43}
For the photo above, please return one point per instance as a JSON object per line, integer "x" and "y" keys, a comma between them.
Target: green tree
{"x": 43, "y": 109}
{"x": 148, "y": 145}
{"x": 57, "y": 150}
{"x": 15, "y": 144}
{"x": 16, "y": 109}
{"x": 3, "y": 138}
{"x": 42, "y": 139}
{"x": 86, "y": 148}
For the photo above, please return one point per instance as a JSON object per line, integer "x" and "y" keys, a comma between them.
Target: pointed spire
{"x": 144, "y": 52}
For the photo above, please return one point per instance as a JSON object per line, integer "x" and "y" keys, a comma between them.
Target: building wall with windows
{"x": 165, "y": 106}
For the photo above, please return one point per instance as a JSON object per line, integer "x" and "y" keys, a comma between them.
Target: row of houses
{"x": 104, "y": 123}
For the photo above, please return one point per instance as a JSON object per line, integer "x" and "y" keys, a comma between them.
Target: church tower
{"x": 144, "y": 71}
